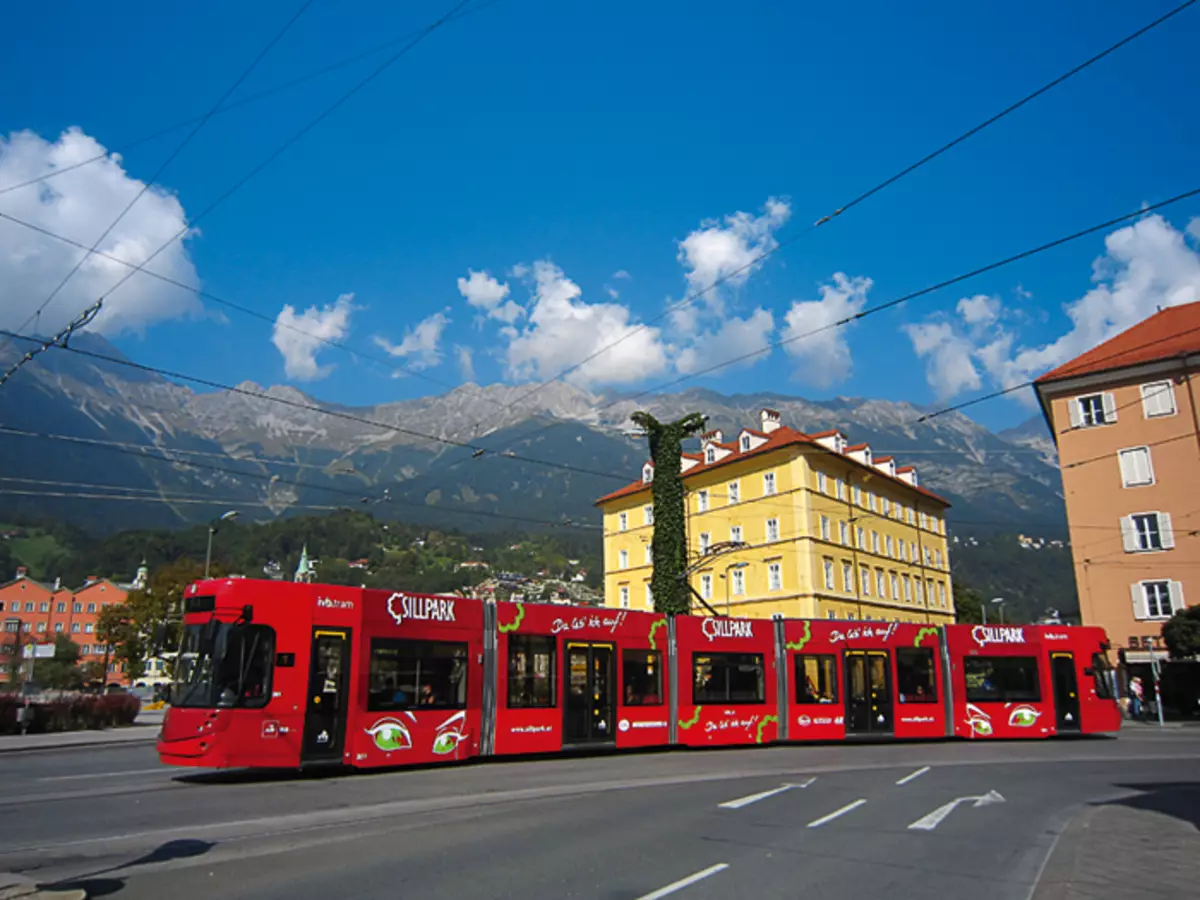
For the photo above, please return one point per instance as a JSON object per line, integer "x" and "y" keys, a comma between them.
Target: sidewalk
{"x": 1146, "y": 846}
{"x": 144, "y": 730}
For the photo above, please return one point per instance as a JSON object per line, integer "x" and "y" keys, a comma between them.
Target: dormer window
{"x": 710, "y": 455}
{"x": 745, "y": 443}
{"x": 647, "y": 473}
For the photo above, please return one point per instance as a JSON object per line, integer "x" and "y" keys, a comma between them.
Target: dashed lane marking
{"x": 685, "y": 882}
{"x": 763, "y": 795}
{"x": 913, "y": 776}
{"x": 817, "y": 823}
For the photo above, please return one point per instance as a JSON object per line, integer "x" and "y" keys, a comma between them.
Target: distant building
{"x": 305, "y": 569}
{"x": 827, "y": 530}
{"x": 35, "y": 611}
{"x": 1123, "y": 416}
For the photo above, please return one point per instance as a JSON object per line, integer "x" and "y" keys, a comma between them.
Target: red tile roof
{"x": 1169, "y": 333}
{"x": 856, "y": 447}
{"x": 781, "y": 437}
{"x": 880, "y": 459}
{"x": 824, "y": 434}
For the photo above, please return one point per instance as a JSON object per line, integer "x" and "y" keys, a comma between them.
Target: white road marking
{"x": 914, "y": 775}
{"x": 754, "y": 798}
{"x": 817, "y": 823}
{"x": 161, "y": 770}
{"x": 934, "y": 819}
{"x": 685, "y": 882}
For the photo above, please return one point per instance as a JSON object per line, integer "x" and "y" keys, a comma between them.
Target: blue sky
{"x": 555, "y": 145}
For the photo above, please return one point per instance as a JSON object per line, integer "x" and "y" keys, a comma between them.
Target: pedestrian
{"x": 1135, "y": 698}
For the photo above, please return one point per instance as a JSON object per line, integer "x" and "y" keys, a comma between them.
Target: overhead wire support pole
{"x": 59, "y": 340}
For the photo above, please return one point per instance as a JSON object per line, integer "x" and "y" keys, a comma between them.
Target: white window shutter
{"x": 1110, "y": 407}
{"x": 1176, "y": 596}
{"x": 1138, "y": 595}
{"x": 1165, "y": 532}
{"x": 1128, "y": 534}
{"x": 1127, "y": 460}
{"x": 1076, "y": 412}
{"x": 1149, "y": 400}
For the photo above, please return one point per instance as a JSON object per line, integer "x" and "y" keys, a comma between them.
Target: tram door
{"x": 1066, "y": 691}
{"x": 868, "y": 692}
{"x": 590, "y": 695}
{"x": 328, "y": 684}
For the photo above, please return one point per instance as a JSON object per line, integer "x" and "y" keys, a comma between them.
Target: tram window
{"x": 816, "y": 679}
{"x": 915, "y": 675}
{"x": 641, "y": 671}
{"x": 1102, "y": 674}
{"x": 728, "y": 678}
{"x": 530, "y": 671}
{"x": 1002, "y": 679}
{"x": 417, "y": 675}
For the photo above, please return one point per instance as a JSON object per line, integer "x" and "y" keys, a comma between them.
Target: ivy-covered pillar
{"x": 669, "y": 545}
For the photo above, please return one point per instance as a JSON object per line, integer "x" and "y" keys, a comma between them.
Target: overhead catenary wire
{"x": 244, "y": 101}
{"x": 230, "y": 304}
{"x": 297, "y": 136}
{"x": 882, "y": 307}
{"x": 358, "y": 496}
{"x": 870, "y": 192}
{"x": 1033, "y": 382}
{"x": 149, "y": 183}
{"x": 312, "y": 407}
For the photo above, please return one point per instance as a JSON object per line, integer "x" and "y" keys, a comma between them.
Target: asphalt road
{"x": 832, "y": 821}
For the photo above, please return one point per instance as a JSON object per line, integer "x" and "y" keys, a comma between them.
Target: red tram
{"x": 278, "y": 674}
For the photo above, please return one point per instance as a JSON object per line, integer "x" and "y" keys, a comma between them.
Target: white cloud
{"x": 299, "y": 337}
{"x": 1146, "y": 265}
{"x": 80, "y": 205}
{"x": 466, "y": 362}
{"x": 621, "y": 273}
{"x": 949, "y": 368}
{"x": 422, "y": 344}
{"x": 564, "y": 329}
{"x": 979, "y": 310}
{"x": 736, "y": 337}
{"x": 1193, "y": 228}
{"x": 484, "y": 292}
{"x": 817, "y": 343}
{"x": 726, "y": 252}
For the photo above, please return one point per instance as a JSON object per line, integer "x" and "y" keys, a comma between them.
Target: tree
{"x": 968, "y": 605}
{"x": 1181, "y": 633}
{"x": 669, "y": 544}
{"x": 62, "y": 672}
{"x": 131, "y": 628}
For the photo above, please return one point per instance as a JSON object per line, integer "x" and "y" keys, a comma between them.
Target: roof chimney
{"x": 22, "y": 571}
{"x": 770, "y": 420}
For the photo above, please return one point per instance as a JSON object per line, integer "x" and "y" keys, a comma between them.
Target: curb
{"x": 36, "y": 746}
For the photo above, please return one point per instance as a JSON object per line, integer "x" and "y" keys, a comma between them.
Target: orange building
{"x": 36, "y": 612}
{"x": 1125, "y": 419}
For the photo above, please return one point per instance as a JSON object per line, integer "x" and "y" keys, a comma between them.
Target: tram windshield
{"x": 224, "y": 665}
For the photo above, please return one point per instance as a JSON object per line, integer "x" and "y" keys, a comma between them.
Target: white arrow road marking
{"x": 913, "y": 776}
{"x": 685, "y": 882}
{"x": 754, "y": 798}
{"x": 817, "y": 823}
{"x": 931, "y": 821}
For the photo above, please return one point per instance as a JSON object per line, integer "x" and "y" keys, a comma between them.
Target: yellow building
{"x": 826, "y": 530}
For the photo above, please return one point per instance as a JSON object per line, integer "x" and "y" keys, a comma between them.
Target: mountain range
{"x": 174, "y": 455}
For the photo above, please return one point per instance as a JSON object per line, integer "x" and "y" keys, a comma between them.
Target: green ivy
{"x": 669, "y": 545}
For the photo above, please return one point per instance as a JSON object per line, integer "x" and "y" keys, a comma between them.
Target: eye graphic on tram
{"x": 391, "y": 734}
{"x": 1024, "y": 716}
{"x": 979, "y": 722}
{"x": 449, "y": 735}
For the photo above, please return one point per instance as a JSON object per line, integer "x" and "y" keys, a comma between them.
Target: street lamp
{"x": 1000, "y": 602}
{"x": 736, "y": 565}
{"x": 212, "y": 529}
